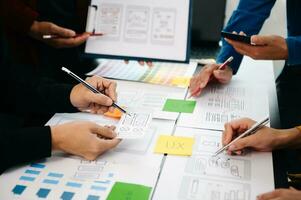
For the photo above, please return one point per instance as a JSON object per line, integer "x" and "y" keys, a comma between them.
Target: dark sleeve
{"x": 249, "y": 18}
{"x": 23, "y": 145}
{"x": 17, "y": 15}
{"x": 44, "y": 96}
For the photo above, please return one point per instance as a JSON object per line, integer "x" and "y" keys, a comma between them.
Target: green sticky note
{"x": 182, "y": 106}
{"x": 129, "y": 191}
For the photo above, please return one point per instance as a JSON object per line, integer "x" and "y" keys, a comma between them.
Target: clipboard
{"x": 150, "y": 30}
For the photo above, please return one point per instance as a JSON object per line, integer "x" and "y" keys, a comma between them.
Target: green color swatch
{"x": 129, "y": 191}
{"x": 181, "y": 106}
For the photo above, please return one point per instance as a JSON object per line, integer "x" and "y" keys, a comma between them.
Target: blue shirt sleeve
{"x": 294, "y": 50}
{"x": 249, "y": 18}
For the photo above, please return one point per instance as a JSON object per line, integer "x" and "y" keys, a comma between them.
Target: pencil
{"x": 91, "y": 88}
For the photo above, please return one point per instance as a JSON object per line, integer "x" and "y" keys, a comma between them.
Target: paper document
{"x": 170, "y": 74}
{"x": 219, "y": 104}
{"x": 133, "y": 126}
{"x": 205, "y": 177}
{"x": 157, "y": 29}
{"x": 141, "y": 97}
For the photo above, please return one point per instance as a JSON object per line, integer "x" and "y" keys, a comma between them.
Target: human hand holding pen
{"x": 221, "y": 73}
{"x": 83, "y": 99}
{"x": 265, "y": 139}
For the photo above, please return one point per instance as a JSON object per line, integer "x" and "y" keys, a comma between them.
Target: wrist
{"x": 288, "y": 138}
{"x": 55, "y": 137}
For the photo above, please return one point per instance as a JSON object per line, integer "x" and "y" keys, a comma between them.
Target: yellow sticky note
{"x": 174, "y": 145}
{"x": 181, "y": 81}
{"x": 116, "y": 114}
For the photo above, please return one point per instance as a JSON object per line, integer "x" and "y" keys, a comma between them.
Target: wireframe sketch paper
{"x": 134, "y": 125}
{"x": 219, "y": 104}
{"x": 205, "y": 177}
{"x": 152, "y": 29}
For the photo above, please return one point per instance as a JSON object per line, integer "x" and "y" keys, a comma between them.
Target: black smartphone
{"x": 240, "y": 38}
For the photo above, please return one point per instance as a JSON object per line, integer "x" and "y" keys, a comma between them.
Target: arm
{"x": 249, "y": 18}
{"x": 21, "y": 145}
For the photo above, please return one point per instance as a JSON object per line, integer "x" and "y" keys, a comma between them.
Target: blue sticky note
{"x": 43, "y": 193}
{"x": 19, "y": 189}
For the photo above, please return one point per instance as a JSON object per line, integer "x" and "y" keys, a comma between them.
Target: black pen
{"x": 90, "y": 87}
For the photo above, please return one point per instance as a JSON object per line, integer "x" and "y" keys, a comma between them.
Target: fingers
{"x": 260, "y": 40}
{"x": 110, "y": 144}
{"x": 107, "y": 132}
{"x": 234, "y": 128}
{"x": 271, "y": 195}
{"x": 223, "y": 76}
{"x": 199, "y": 82}
{"x": 63, "y": 32}
{"x": 102, "y": 84}
{"x": 99, "y": 99}
{"x": 69, "y": 42}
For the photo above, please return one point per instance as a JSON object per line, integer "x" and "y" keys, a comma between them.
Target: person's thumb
{"x": 222, "y": 76}
{"x": 99, "y": 99}
{"x": 240, "y": 144}
{"x": 259, "y": 40}
{"x": 63, "y": 32}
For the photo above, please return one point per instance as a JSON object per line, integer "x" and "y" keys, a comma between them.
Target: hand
{"x": 149, "y": 63}
{"x": 85, "y": 139}
{"x": 68, "y": 40}
{"x": 207, "y": 74}
{"x": 265, "y": 139}
{"x": 84, "y": 99}
{"x": 281, "y": 194}
{"x": 269, "y": 47}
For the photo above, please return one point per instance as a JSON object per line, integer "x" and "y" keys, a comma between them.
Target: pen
{"x": 250, "y": 131}
{"x": 222, "y": 67}
{"x": 90, "y": 87}
{"x": 54, "y": 36}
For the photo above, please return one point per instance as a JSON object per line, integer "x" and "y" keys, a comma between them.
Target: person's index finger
{"x": 227, "y": 134}
{"x": 110, "y": 88}
{"x": 104, "y": 132}
{"x": 63, "y": 32}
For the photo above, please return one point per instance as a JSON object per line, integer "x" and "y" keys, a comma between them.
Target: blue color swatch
{"x": 56, "y": 175}
{"x": 49, "y": 181}
{"x": 27, "y": 178}
{"x": 67, "y": 195}
{"x": 19, "y": 189}
{"x": 73, "y": 184}
{"x": 36, "y": 165}
{"x": 93, "y": 197}
{"x": 34, "y": 172}
{"x": 43, "y": 193}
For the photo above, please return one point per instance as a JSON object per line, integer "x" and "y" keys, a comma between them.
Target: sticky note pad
{"x": 129, "y": 191}
{"x": 177, "y": 105}
{"x": 174, "y": 145}
{"x": 115, "y": 114}
{"x": 181, "y": 81}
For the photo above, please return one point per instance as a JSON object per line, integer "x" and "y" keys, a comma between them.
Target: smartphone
{"x": 240, "y": 38}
